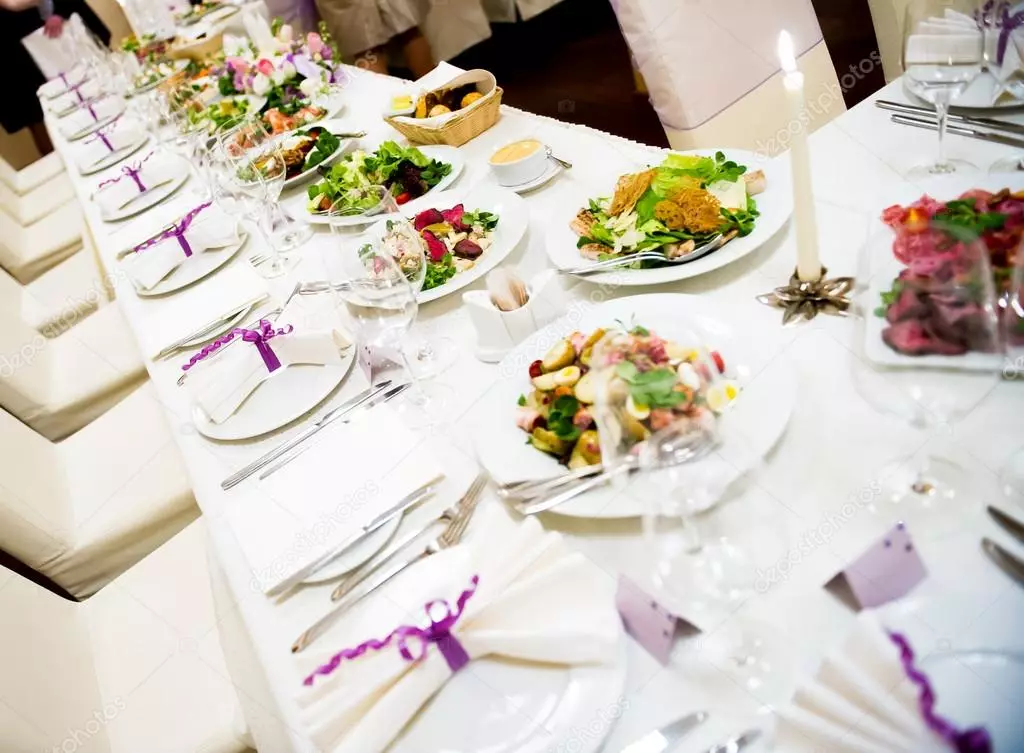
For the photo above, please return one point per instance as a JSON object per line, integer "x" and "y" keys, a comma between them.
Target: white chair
{"x": 38, "y": 202}
{"x": 28, "y": 251}
{"x": 138, "y": 668}
{"x": 711, "y": 68}
{"x": 82, "y": 511}
{"x": 58, "y": 299}
{"x": 58, "y": 385}
{"x": 888, "y": 16}
{"x": 24, "y": 180}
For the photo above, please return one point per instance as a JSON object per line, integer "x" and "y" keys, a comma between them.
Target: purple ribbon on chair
{"x": 260, "y": 337}
{"x": 973, "y": 740}
{"x": 177, "y": 230}
{"x": 438, "y": 633}
{"x": 131, "y": 171}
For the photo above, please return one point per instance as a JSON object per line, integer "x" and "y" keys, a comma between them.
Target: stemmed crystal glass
{"x": 1012, "y": 302}
{"x": 927, "y": 350}
{"x": 255, "y": 181}
{"x": 943, "y": 52}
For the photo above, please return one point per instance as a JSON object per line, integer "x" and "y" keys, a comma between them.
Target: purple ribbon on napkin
{"x": 64, "y": 78}
{"x": 260, "y": 337}
{"x": 131, "y": 171}
{"x": 973, "y": 740}
{"x": 92, "y": 112}
{"x": 437, "y": 633}
{"x": 101, "y": 136}
{"x": 77, "y": 90}
{"x": 177, "y": 230}
{"x": 993, "y": 13}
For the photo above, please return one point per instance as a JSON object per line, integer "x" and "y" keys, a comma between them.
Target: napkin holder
{"x": 497, "y": 331}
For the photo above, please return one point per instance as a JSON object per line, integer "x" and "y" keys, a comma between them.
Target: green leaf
{"x": 560, "y": 418}
{"x": 522, "y": 400}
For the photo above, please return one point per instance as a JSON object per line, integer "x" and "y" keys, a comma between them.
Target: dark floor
{"x": 572, "y": 63}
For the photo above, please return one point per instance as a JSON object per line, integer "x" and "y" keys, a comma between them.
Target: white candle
{"x": 808, "y": 265}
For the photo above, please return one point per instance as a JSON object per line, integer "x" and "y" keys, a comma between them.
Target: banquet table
{"x": 816, "y": 486}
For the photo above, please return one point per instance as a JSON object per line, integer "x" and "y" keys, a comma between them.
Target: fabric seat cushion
{"x": 61, "y": 297}
{"x": 24, "y": 180}
{"x": 156, "y": 645}
{"x": 38, "y": 203}
{"x": 26, "y": 252}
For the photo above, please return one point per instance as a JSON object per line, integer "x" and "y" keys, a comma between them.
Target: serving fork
{"x": 628, "y": 260}
{"x": 449, "y": 537}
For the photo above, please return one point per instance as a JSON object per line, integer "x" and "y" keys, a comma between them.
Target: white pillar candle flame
{"x": 808, "y": 264}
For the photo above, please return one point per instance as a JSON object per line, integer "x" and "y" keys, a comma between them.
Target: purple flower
{"x": 325, "y": 52}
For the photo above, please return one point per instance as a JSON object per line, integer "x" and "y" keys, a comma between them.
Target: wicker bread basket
{"x": 460, "y": 126}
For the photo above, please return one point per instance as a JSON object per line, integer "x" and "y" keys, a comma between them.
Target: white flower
{"x": 310, "y": 86}
{"x": 277, "y": 76}
{"x": 260, "y": 84}
{"x": 286, "y": 33}
{"x": 287, "y": 70}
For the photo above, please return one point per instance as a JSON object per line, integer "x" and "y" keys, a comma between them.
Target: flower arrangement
{"x": 297, "y": 70}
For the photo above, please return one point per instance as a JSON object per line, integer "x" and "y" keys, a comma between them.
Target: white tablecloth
{"x": 829, "y": 456}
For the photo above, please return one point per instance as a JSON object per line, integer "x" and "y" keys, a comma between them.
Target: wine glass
{"x": 994, "y": 20}
{"x": 1012, "y": 302}
{"x": 255, "y": 185}
{"x": 927, "y": 350}
{"x": 943, "y": 51}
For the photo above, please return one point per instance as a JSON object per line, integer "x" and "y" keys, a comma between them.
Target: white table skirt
{"x": 831, "y": 452}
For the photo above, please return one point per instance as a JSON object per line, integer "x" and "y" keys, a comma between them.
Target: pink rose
{"x": 265, "y": 67}
{"x": 314, "y": 42}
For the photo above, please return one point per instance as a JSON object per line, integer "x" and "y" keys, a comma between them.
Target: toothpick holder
{"x": 497, "y": 331}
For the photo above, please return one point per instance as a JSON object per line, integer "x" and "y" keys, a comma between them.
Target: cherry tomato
{"x": 719, "y": 361}
{"x": 535, "y": 369}
{"x": 403, "y": 197}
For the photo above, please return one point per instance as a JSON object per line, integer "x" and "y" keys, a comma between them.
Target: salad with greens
{"x": 674, "y": 208}
{"x": 220, "y": 115}
{"x": 405, "y": 171}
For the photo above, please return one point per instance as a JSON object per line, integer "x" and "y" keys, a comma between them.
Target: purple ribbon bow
{"x": 973, "y": 740}
{"x": 102, "y": 136}
{"x": 131, "y": 171}
{"x": 994, "y": 13}
{"x": 260, "y": 337}
{"x": 177, "y": 230}
{"x": 437, "y": 633}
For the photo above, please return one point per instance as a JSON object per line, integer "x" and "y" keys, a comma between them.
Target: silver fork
{"x": 625, "y": 261}
{"x": 451, "y": 536}
{"x": 525, "y": 490}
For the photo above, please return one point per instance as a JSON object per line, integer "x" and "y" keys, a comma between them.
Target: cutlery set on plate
{"x": 984, "y": 129}
{"x": 665, "y": 738}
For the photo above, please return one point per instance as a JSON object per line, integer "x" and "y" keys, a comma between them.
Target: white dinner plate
{"x": 146, "y": 199}
{"x": 775, "y": 205}
{"x": 95, "y": 125}
{"x": 116, "y": 156}
{"x": 295, "y": 203}
{"x": 543, "y": 179}
{"x": 980, "y": 688}
{"x": 513, "y": 219}
{"x": 195, "y": 268}
{"x": 360, "y": 552}
{"x": 285, "y": 396}
{"x": 749, "y": 430}
{"x": 179, "y": 65}
{"x": 77, "y": 75}
{"x": 499, "y": 705}
{"x": 978, "y": 95}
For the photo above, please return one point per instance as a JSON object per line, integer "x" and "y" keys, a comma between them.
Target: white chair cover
{"x": 28, "y": 251}
{"x": 24, "y": 180}
{"x": 888, "y": 17}
{"x": 39, "y": 202}
{"x": 59, "y": 385}
{"x": 83, "y": 511}
{"x": 58, "y": 299}
{"x": 138, "y": 667}
{"x": 712, "y": 70}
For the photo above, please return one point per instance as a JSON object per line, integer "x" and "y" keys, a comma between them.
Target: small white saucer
{"x": 553, "y": 169}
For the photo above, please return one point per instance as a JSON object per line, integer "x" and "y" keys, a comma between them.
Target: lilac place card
{"x": 888, "y": 570}
{"x": 649, "y": 623}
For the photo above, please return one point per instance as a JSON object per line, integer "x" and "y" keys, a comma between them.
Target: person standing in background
{"x": 364, "y": 29}
{"x": 19, "y": 107}
{"x": 301, "y": 15}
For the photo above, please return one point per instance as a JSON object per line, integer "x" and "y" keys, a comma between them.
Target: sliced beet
{"x": 426, "y": 218}
{"x": 435, "y": 246}
{"x": 908, "y": 306}
{"x": 467, "y": 249}
{"x": 453, "y": 217}
{"x": 912, "y": 338}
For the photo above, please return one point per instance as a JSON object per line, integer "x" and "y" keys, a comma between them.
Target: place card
{"x": 887, "y": 570}
{"x": 649, "y": 623}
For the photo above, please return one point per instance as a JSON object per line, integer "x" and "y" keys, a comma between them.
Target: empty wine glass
{"x": 254, "y": 184}
{"x": 927, "y": 349}
{"x": 943, "y": 51}
{"x": 1012, "y": 303}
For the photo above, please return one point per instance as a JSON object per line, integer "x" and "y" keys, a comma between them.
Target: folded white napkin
{"x": 236, "y": 367}
{"x": 92, "y": 149}
{"x": 152, "y": 171}
{"x": 209, "y": 230}
{"x": 88, "y": 89}
{"x": 535, "y": 600}
{"x": 860, "y": 701}
{"x": 941, "y": 48}
{"x": 82, "y": 118}
{"x": 297, "y": 517}
{"x": 59, "y": 85}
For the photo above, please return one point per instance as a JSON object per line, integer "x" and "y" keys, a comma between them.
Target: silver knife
{"x": 664, "y": 738}
{"x": 1011, "y": 525}
{"x": 393, "y": 512}
{"x": 736, "y": 744}
{"x": 928, "y": 112}
{"x": 351, "y": 404}
{"x": 972, "y": 133}
{"x": 379, "y": 400}
{"x": 1010, "y": 564}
